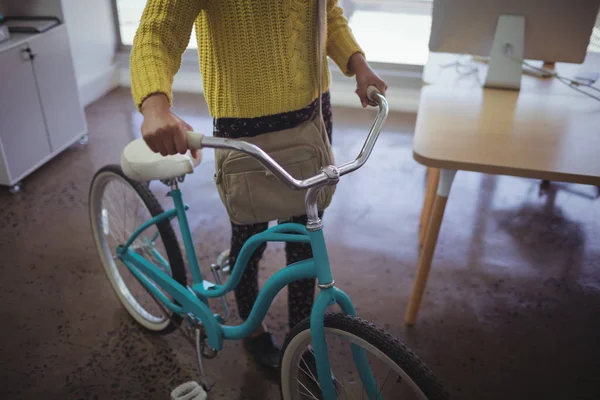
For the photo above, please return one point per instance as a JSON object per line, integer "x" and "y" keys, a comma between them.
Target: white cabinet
{"x": 23, "y": 137}
{"x": 40, "y": 110}
{"x": 57, "y": 87}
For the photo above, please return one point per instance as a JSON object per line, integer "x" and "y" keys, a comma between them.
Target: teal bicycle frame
{"x": 194, "y": 303}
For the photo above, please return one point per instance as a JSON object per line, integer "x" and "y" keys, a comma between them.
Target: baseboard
{"x": 95, "y": 85}
{"x": 403, "y": 99}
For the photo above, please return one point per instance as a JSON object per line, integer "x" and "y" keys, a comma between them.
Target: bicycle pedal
{"x": 223, "y": 262}
{"x": 189, "y": 390}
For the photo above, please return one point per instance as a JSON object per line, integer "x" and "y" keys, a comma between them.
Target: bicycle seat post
{"x": 173, "y": 183}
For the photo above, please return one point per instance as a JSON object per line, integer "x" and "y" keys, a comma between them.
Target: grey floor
{"x": 512, "y": 308}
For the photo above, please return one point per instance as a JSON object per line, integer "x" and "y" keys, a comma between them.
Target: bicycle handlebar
{"x": 199, "y": 141}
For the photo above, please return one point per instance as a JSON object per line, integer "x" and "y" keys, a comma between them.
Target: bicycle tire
{"x": 373, "y": 335}
{"x": 165, "y": 230}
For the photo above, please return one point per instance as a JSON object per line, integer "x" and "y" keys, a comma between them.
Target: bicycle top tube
{"x": 199, "y": 141}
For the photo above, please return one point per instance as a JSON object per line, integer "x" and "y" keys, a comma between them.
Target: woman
{"x": 257, "y": 61}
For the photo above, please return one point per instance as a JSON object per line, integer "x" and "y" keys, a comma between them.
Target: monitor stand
{"x": 505, "y": 68}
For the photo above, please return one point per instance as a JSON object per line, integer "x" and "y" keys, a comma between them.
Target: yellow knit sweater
{"x": 257, "y": 57}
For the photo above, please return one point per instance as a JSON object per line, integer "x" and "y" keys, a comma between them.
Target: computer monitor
{"x": 510, "y": 31}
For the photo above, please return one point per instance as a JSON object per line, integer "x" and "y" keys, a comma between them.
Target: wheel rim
{"x": 116, "y": 210}
{"x": 298, "y": 380}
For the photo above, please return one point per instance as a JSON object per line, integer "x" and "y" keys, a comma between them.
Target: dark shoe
{"x": 264, "y": 351}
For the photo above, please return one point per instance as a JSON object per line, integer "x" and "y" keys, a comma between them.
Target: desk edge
{"x": 517, "y": 172}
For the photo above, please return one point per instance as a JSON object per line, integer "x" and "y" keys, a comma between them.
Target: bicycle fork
{"x": 326, "y": 298}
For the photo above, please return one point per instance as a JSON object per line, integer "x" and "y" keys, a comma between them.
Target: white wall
{"x": 93, "y": 39}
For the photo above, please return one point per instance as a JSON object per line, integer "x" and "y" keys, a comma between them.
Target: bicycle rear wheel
{"x": 398, "y": 372}
{"x": 118, "y": 206}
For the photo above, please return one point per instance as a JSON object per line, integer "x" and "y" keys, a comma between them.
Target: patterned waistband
{"x": 247, "y": 127}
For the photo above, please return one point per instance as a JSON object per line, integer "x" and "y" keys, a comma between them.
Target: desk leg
{"x": 431, "y": 236}
{"x": 433, "y": 179}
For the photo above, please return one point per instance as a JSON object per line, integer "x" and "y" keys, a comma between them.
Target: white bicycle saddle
{"x": 139, "y": 163}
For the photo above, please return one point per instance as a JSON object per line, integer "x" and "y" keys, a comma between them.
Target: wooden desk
{"x": 545, "y": 131}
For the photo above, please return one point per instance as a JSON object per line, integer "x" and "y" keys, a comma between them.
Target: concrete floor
{"x": 512, "y": 309}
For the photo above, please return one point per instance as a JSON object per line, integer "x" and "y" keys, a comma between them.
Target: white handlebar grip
{"x": 372, "y": 91}
{"x": 194, "y": 140}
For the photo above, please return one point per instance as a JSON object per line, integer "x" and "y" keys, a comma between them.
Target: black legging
{"x": 300, "y": 293}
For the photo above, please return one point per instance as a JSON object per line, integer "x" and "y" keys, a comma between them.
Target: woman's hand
{"x": 162, "y": 130}
{"x": 365, "y": 76}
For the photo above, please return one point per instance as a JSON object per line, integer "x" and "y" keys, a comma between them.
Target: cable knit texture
{"x": 257, "y": 57}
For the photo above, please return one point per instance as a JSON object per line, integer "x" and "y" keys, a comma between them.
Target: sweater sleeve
{"x": 158, "y": 45}
{"x": 341, "y": 43}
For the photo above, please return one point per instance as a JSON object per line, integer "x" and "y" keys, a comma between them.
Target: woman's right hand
{"x": 162, "y": 130}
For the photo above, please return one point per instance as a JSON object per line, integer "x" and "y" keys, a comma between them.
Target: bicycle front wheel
{"x": 118, "y": 206}
{"x": 398, "y": 372}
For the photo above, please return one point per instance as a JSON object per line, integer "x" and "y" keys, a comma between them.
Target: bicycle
{"x": 305, "y": 368}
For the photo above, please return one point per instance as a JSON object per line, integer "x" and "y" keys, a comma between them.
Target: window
{"x": 376, "y": 23}
{"x": 391, "y": 31}
{"x": 129, "y": 13}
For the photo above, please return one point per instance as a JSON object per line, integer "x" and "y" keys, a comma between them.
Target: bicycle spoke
{"x": 335, "y": 359}
{"x": 312, "y": 376}
{"x": 122, "y": 236}
{"x": 308, "y": 390}
{"x": 309, "y": 374}
{"x": 340, "y": 384}
{"x": 384, "y": 382}
{"x": 139, "y": 214}
{"x": 124, "y": 207}
{"x": 117, "y": 241}
{"x": 135, "y": 216}
{"x": 110, "y": 204}
{"x": 116, "y": 212}
{"x": 110, "y": 225}
{"x": 344, "y": 387}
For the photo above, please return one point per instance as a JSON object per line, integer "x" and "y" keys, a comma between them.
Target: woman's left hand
{"x": 365, "y": 77}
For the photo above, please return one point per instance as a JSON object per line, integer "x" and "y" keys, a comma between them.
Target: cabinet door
{"x": 53, "y": 67}
{"x": 22, "y": 129}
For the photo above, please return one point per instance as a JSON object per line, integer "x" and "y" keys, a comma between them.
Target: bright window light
{"x": 392, "y": 37}
{"x": 390, "y": 31}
